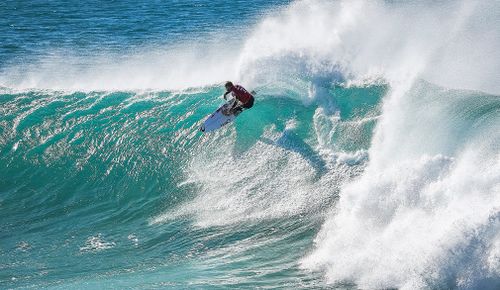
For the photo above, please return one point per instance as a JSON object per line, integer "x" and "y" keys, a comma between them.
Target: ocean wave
{"x": 370, "y": 158}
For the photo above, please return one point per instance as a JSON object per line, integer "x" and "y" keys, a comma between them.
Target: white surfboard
{"x": 218, "y": 118}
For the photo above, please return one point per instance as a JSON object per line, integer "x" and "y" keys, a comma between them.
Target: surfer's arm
{"x": 225, "y": 95}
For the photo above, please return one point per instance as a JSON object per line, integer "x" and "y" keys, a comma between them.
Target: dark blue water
{"x": 33, "y": 28}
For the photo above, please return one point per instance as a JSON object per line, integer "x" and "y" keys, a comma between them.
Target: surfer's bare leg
{"x": 227, "y": 111}
{"x": 237, "y": 110}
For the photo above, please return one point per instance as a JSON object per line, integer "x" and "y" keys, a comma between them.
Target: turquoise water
{"x": 366, "y": 162}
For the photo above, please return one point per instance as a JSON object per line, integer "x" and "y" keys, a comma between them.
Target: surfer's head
{"x": 228, "y": 86}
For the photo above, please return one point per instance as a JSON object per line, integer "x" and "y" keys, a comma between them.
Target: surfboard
{"x": 218, "y": 118}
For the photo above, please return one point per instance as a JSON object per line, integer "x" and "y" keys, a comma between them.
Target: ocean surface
{"x": 370, "y": 160}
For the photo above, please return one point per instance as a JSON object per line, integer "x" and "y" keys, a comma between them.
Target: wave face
{"x": 370, "y": 159}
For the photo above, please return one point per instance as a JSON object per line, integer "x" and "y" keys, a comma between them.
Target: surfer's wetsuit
{"x": 241, "y": 95}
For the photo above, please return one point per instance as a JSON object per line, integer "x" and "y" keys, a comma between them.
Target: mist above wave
{"x": 448, "y": 43}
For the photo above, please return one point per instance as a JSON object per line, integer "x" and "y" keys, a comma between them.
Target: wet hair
{"x": 229, "y": 84}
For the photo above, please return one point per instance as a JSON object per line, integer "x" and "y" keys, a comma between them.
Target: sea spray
{"x": 425, "y": 211}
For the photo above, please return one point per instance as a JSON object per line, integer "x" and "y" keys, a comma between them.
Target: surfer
{"x": 244, "y": 99}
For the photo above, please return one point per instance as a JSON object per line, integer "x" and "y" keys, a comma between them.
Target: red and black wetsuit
{"x": 243, "y": 96}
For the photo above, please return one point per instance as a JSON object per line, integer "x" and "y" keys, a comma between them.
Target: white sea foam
{"x": 134, "y": 239}
{"x": 415, "y": 223}
{"x": 426, "y": 211}
{"x": 96, "y": 244}
{"x": 23, "y": 246}
{"x": 251, "y": 186}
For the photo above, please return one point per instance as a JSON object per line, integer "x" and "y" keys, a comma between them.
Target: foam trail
{"x": 241, "y": 188}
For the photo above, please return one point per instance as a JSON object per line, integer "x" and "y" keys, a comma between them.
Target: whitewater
{"x": 371, "y": 159}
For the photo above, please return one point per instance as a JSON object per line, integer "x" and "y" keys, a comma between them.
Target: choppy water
{"x": 371, "y": 158}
